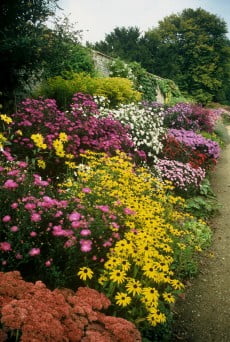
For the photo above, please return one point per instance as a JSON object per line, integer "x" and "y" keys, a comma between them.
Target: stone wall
{"x": 101, "y": 63}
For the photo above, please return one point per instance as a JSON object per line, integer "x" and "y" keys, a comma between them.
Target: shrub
{"x": 189, "y": 147}
{"x": 39, "y": 314}
{"x": 184, "y": 177}
{"x": 51, "y": 137}
{"x": 146, "y": 125}
{"x": 191, "y": 117}
{"x": 117, "y": 90}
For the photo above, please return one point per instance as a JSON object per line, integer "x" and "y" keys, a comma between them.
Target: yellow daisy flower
{"x": 122, "y": 299}
{"x": 85, "y": 272}
{"x": 117, "y": 276}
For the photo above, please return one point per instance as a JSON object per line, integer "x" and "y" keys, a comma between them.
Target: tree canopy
{"x": 190, "y": 47}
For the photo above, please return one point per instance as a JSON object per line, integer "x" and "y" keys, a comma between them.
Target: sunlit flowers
{"x": 85, "y": 273}
{"x": 122, "y": 299}
{"x": 38, "y": 141}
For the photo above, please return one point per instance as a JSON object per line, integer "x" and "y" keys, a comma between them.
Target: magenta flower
{"x": 14, "y": 205}
{"x": 104, "y": 208}
{"x": 6, "y": 218}
{"x": 86, "y": 190}
{"x": 10, "y": 184}
{"x": 34, "y": 251}
{"x": 5, "y": 246}
{"x": 14, "y": 229}
{"x": 128, "y": 211}
{"x": 86, "y": 245}
{"x": 85, "y": 232}
{"x": 35, "y": 217}
{"x": 75, "y": 216}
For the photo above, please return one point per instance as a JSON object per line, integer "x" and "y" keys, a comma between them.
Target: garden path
{"x": 203, "y": 315}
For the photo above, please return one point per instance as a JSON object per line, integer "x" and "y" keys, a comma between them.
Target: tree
{"x": 21, "y": 41}
{"x": 192, "y": 50}
{"x": 121, "y": 42}
{"x": 63, "y": 52}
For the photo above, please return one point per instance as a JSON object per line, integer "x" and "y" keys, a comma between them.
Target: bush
{"x": 189, "y": 147}
{"x": 191, "y": 117}
{"x": 38, "y": 314}
{"x": 51, "y": 137}
{"x": 145, "y": 124}
{"x": 117, "y": 90}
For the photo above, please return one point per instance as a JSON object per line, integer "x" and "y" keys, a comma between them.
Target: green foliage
{"x": 193, "y": 50}
{"x": 116, "y": 89}
{"x": 121, "y": 42}
{"x": 147, "y": 83}
{"x": 63, "y": 52}
{"x": 21, "y": 37}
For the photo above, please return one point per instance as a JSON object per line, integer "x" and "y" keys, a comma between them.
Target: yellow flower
{"x": 38, "y": 141}
{"x": 150, "y": 294}
{"x": 63, "y": 137}
{"x": 2, "y": 140}
{"x": 6, "y": 118}
{"x": 122, "y": 299}
{"x": 168, "y": 297}
{"x": 133, "y": 287}
{"x": 117, "y": 276}
{"x": 85, "y": 272}
{"x": 41, "y": 163}
{"x": 155, "y": 317}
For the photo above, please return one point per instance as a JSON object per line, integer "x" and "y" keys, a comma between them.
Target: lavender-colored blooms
{"x": 191, "y": 116}
{"x": 183, "y": 176}
{"x": 196, "y": 142}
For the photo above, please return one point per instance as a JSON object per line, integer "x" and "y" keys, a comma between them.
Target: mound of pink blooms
{"x": 60, "y": 315}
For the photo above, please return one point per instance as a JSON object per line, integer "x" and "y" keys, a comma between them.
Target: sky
{"x": 99, "y": 17}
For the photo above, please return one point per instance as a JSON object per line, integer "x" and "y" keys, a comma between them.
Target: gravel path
{"x": 204, "y": 314}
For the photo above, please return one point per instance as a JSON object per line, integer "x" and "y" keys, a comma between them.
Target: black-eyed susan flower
{"x": 133, "y": 287}
{"x": 155, "y": 317}
{"x": 85, "y": 273}
{"x": 168, "y": 297}
{"x": 117, "y": 276}
{"x": 122, "y": 299}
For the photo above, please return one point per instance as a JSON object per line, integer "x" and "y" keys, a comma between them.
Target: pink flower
{"x": 33, "y": 234}
{"x": 35, "y": 217}
{"x": 34, "y": 251}
{"x": 48, "y": 263}
{"x": 76, "y": 224}
{"x": 10, "y": 184}
{"x": 5, "y": 246}
{"x": 86, "y": 190}
{"x": 128, "y": 211}
{"x": 85, "y": 232}
{"x": 6, "y": 218}
{"x": 30, "y": 206}
{"x": 103, "y": 208}
{"x": 18, "y": 256}
{"x": 75, "y": 216}
{"x": 22, "y": 164}
{"x": 14, "y": 205}
{"x": 86, "y": 245}
{"x": 115, "y": 225}
{"x": 14, "y": 229}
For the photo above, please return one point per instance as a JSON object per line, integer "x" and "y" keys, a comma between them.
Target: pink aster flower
{"x": 86, "y": 190}
{"x": 5, "y": 246}
{"x": 86, "y": 245}
{"x": 6, "y": 218}
{"x": 85, "y": 232}
{"x": 33, "y": 234}
{"x": 34, "y": 251}
{"x": 75, "y": 216}
{"x": 14, "y": 205}
{"x": 35, "y": 217}
{"x": 103, "y": 208}
{"x": 10, "y": 184}
{"x": 14, "y": 229}
{"x": 128, "y": 211}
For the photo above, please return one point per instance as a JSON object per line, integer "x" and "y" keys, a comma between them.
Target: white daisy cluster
{"x": 145, "y": 122}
